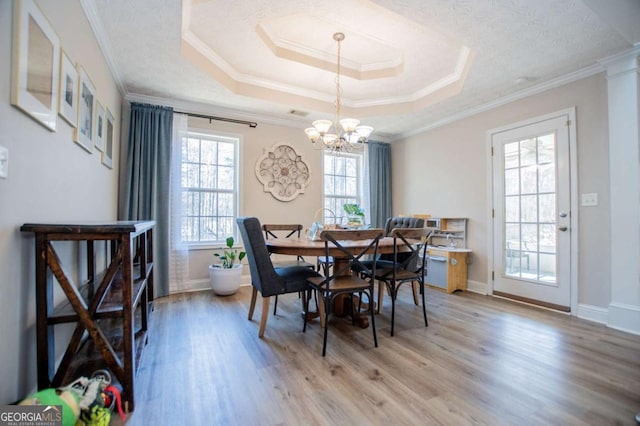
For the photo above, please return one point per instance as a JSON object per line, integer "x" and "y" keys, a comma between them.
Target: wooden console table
{"x": 110, "y": 309}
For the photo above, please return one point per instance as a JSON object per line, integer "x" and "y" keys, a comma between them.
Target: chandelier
{"x": 350, "y": 135}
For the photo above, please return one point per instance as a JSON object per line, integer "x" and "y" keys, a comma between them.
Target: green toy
{"x": 67, "y": 399}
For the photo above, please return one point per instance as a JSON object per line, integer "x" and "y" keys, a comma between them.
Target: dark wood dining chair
{"x": 411, "y": 267}
{"x": 273, "y": 230}
{"x": 340, "y": 280}
{"x": 265, "y": 278}
{"x": 386, "y": 260}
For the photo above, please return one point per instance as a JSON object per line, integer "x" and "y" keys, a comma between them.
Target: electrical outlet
{"x": 590, "y": 200}
{"x": 4, "y": 162}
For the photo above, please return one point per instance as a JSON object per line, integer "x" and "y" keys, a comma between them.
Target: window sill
{"x": 205, "y": 246}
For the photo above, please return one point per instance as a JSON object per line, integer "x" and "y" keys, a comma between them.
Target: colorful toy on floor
{"x": 85, "y": 401}
{"x": 50, "y": 396}
{"x": 93, "y": 399}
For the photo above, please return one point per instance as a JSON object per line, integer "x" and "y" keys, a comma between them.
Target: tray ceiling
{"x": 404, "y": 63}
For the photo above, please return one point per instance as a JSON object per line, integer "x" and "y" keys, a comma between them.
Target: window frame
{"x": 359, "y": 198}
{"x": 217, "y": 136}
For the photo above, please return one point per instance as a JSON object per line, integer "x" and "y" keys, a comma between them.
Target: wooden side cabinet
{"x": 110, "y": 310}
{"x": 447, "y": 269}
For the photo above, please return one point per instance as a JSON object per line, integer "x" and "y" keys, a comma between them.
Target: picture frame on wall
{"x": 68, "y": 106}
{"x": 36, "y": 64}
{"x": 100, "y": 127}
{"x": 109, "y": 139}
{"x": 84, "y": 132}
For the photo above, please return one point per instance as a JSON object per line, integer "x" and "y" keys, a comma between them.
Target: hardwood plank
{"x": 482, "y": 360}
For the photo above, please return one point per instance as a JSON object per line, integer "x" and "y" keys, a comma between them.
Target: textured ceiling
{"x": 406, "y": 63}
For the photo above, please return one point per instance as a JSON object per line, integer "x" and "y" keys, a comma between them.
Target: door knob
{"x": 562, "y": 228}
{"x": 563, "y": 214}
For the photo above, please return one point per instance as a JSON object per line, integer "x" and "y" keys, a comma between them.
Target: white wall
{"x": 446, "y": 171}
{"x": 51, "y": 179}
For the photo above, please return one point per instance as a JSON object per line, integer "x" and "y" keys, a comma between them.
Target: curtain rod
{"x": 251, "y": 124}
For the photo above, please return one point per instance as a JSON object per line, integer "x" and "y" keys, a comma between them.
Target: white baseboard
{"x": 593, "y": 313}
{"x": 477, "y": 287}
{"x": 624, "y": 317}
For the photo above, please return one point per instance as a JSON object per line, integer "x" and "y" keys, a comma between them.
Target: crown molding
{"x": 533, "y": 90}
{"x": 90, "y": 11}
{"x": 207, "y": 109}
{"x": 622, "y": 63}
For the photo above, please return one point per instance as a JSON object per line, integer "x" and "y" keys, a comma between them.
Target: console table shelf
{"x": 110, "y": 309}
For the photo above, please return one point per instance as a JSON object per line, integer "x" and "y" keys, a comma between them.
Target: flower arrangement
{"x": 229, "y": 255}
{"x": 353, "y": 209}
{"x": 355, "y": 215}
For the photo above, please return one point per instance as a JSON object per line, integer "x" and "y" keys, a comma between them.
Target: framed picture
{"x": 100, "y": 127}
{"x": 84, "y": 133}
{"x": 36, "y": 64}
{"x": 109, "y": 139}
{"x": 68, "y": 107}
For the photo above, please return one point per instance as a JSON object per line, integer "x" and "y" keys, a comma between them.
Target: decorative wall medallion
{"x": 282, "y": 172}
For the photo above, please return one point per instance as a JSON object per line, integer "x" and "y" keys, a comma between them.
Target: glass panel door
{"x": 531, "y": 198}
{"x": 530, "y": 208}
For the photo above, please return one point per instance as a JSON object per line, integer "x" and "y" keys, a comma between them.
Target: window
{"x": 209, "y": 187}
{"x": 342, "y": 182}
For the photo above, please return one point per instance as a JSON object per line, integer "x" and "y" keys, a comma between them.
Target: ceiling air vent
{"x": 298, "y": 113}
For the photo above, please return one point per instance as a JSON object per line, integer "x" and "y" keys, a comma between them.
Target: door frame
{"x": 570, "y": 114}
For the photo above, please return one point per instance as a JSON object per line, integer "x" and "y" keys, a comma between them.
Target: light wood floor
{"x": 482, "y": 360}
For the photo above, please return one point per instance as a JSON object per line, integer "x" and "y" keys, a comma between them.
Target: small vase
{"x": 225, "y": 281}
{"x": 354, "y": 221}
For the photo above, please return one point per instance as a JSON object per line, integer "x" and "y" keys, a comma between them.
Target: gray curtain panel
{"x": 144, "y": 188}
{"x": 380, "y": 182}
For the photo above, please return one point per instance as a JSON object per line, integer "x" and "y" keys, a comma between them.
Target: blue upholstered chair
{"x": 265, "y": 278}
{"x": 279, "y": 230}
{"x": 402, "y": 222}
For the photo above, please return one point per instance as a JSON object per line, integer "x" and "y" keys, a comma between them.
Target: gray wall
{"x": 51, "y": 179}
{"x": 453, "y": 165}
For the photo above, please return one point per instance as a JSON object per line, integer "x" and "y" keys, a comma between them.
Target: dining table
{"x": 306, "y": 247}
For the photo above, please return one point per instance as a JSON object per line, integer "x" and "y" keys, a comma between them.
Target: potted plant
{"x": 225, "y": 276}
{"x": 355, "y": 215}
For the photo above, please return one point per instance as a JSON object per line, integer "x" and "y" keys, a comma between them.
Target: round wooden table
{"x": 306, "y": 247}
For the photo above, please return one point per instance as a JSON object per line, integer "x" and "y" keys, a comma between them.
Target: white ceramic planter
{"x": 225, "y": 281}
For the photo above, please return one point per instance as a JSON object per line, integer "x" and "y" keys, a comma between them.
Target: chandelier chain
{"x": 338, "y": 88}
{"x": 348, "y": 134}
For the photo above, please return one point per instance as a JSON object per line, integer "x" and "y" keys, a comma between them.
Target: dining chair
{"x": 412, "y": 244}
{"x": 386, "y": 260}
{"x": 265, "y": 278}
{"x": 348, "y": 246}
{"x": 273, "y": 230}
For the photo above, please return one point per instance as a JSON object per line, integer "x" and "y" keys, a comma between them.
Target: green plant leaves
{"x": 228, "y": 257}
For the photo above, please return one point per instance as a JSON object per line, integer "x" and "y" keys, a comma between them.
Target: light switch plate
{"x": 590, "y": 200}
{"x": 4, "y": 162}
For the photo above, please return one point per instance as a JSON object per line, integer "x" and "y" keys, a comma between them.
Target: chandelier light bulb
{"x": 322, "y": 126}
{"x": 349, "y": 124}
{"x": 353, "y": 138}
{"x": 330, "y": 139}
{"x": 312, "y": 134}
